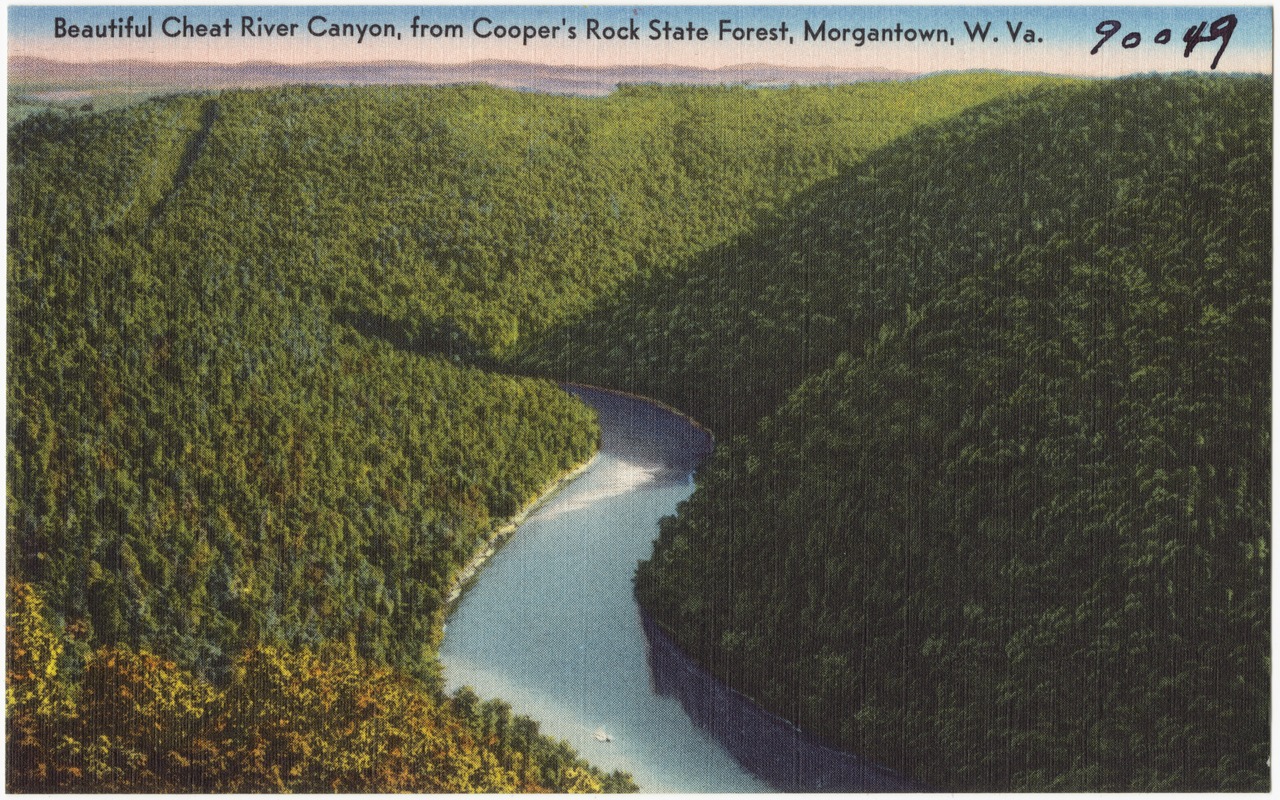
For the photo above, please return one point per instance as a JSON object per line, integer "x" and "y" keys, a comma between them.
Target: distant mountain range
{"x": 508, "y": 74}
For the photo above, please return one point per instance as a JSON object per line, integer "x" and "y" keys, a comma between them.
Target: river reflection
{"x": 552, "y": 625}
{"x": 786, "y": 757}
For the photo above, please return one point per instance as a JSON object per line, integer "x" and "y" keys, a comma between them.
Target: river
{"x": 553, "y": 628}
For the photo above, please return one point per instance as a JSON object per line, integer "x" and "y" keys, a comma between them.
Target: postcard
{"x": 661, "y": 399}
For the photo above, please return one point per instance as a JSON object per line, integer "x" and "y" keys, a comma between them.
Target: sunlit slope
{"x": 197, "y": 457}
{"x": 201, "y": 457}
{"x": 1008, "y": 527}
{"x": 229, "y": 513}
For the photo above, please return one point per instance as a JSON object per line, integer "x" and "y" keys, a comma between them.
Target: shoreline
{"x": 793, "y": 760}
{"x": 503, "y": 531}
{"x": 647, "y": 400}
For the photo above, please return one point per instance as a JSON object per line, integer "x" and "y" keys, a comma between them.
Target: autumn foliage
{"x": 286, "y": 720}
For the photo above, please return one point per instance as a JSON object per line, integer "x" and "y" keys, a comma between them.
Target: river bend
{"x": 552, "y": 625}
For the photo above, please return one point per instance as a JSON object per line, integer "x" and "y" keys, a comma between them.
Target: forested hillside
{"x": 1007, "y": 527}
{"x": 200, "y": 455}
{"x": 253, "y": 421}
{"x": 203, "y": 466}
{"x": 467, "y": 219}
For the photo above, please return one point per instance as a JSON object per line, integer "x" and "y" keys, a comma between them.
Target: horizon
{"x": 477, "y": 62}
{"x": 45, "y": 80}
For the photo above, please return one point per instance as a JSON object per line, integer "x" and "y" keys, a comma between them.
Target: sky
{"x": 1055, "y": 39}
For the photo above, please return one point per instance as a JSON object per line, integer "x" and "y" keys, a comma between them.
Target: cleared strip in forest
{"x": 195, "y": 145}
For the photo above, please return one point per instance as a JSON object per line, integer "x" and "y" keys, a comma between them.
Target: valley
{"x": 986, "y": 358}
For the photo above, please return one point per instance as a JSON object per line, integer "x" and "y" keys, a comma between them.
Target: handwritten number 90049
{"x": 1219, "y": 31}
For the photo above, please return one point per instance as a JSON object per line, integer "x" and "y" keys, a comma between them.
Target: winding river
{"x": 552, "y": 627}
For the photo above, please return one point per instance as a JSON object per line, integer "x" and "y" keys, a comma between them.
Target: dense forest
{"x": 259, "y": 408}
{"x": 992, "y": 501}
